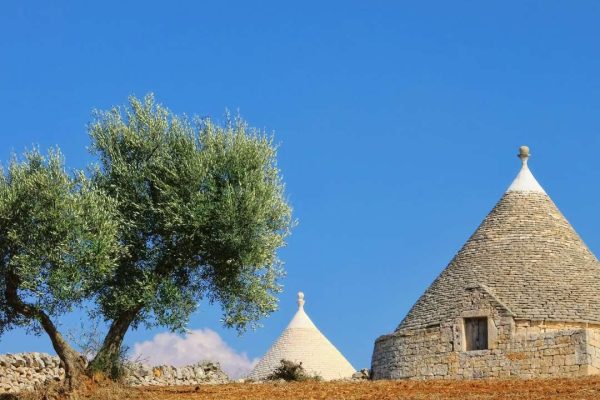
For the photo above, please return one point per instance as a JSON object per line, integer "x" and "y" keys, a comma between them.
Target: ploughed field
{"x": 574, "y": 388}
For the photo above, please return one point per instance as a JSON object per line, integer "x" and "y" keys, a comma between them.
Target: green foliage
{"x": 202, "y": 213}
{"x": 57, "y": 240}
{"x": 176, "y": 211}
{"x": 290, "y": 371}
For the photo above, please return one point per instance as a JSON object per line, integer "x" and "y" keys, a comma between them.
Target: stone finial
{"x": 525, "y": 181}
{"x": 300, "y": 300}
{"x": 524, "y": 154}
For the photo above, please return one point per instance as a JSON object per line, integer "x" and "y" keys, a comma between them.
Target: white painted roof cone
{"x": 301, "y": 341}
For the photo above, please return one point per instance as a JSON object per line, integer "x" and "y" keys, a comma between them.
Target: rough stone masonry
{"x": 518, "y": 348}
{"x": 25, "y": 371}
{"x": 520, "y": 299}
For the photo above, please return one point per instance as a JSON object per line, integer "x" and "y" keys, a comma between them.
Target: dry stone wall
{"x": 425, "y": 354}
{"x": 167, "y": 375}
{"x": 25, "y": 371}
{"x": 516, "y": 348}
{"x": 593, "y": 349}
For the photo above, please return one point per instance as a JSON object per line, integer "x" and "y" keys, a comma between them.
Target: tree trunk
{"x": 108, "y": 359}
{"x": 73, "y": 362}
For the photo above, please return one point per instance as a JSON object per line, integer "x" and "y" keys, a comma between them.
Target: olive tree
{"x": 58, "y": 246}
{"x": 202, "y": 213}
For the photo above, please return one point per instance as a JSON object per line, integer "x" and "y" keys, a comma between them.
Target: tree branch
{"x": 73, "y": 362}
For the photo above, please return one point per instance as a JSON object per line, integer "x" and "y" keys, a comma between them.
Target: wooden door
{"x": 476, "y": 336}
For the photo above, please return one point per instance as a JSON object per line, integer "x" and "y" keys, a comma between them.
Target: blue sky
{"x": 399, "y": 124}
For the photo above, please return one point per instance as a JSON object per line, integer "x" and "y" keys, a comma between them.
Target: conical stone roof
{"x": 302, "y": 342}
{"x": 527, "y": 256}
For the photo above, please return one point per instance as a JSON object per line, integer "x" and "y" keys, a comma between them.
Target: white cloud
{"x": 198, "y": 345}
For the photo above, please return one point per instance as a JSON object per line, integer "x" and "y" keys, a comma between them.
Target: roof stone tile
{"x": 527, "y": 255}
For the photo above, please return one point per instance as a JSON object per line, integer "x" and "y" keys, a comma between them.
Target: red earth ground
{"x": 573, "y": 389}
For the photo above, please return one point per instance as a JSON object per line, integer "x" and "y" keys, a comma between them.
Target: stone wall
{"x": 516, "y": 348}
{"x": 167, "y": 375}
{"x": 593, "y": 350}
{"x": 19, "y": 372}
{"x": 24, "y": 371}
{"x": 425, "y": 354}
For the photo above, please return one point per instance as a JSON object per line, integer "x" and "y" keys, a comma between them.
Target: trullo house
{"x": 520, "y": 299}
{"x": 302, "y": 342}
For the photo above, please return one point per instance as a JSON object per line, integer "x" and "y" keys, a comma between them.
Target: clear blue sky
{"x": 399, "y": 123}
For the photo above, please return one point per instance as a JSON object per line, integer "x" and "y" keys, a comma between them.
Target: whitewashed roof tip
{"x": 525, "y": 181}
